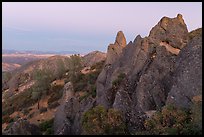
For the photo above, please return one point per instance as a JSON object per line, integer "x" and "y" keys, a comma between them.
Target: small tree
{"x": 43, "y": 79}
{"x": 60, "y": 68}
{"x": 74, "y": 66}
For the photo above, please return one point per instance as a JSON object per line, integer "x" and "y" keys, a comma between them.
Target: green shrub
{"x": 49, "y": 131}
{"x": 6, "y": 119}
{"x": 17, "y": 102}
{"x": 31, "y": 115}
{"x": 61, "y": 70}
{"x": 47, "y": 127}
{"x": 119, "y": 79}
{"x": 56, "y": 94}
{"x": 90, "y": 93}
{"x": 195, "y": 126}
{"x": 175, "y": 121}
{"x": 79, "y": 86}
{"x": 6, "y": 76}
{"x": 99, "y": 121}
{"x": 25, "y": 111}
{"x": 82, "y": 82}
{"x": 84, "y": 96}
{"x": 9, "y": 126}
{"x": 7, "y": 110}
{"x": 93, "y": 91}
{"x": 16, "y": 117}
{"x": 98, "y": 65}
{"x": 53, "y": 105}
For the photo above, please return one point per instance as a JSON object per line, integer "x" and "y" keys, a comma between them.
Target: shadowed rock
{"x": 23, "y": 127}
{"x": 187, "y": 79}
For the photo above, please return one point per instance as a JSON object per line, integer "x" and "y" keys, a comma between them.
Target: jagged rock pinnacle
{"x": 120, "y": 39}
{"x": 180, "y": 18}
{"x": 171, "y": 30}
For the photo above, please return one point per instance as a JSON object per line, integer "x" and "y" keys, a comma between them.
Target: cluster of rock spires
{"x": 163, "y": 68}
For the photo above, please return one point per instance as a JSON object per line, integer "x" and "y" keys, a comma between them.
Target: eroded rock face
{"x": 170, "y": 30}
{"x": 61, "y": 123}
{"x": 68, "y": 116}
{"x": 104, "y": 81}
{"x": 187, "y": 78}
{"x": 23, "y": 127}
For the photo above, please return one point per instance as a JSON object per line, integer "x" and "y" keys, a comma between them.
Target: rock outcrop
{"x": 22, "y": 127}
{"x": 147, "y": 64}
{"x": 171, "y": 30}
{"x": 67, "y": 119}
{"x": 115, "y": 50}
{"x": 61, "y": 123}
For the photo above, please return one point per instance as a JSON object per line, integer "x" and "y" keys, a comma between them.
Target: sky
{"x": 86, "y": 26}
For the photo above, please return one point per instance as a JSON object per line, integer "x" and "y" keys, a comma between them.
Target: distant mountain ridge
{"x": 10, "y": 51}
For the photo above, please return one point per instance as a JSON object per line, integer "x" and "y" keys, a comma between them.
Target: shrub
{"x": 100, "y": 121}
{"x": 98, "y": 65}
{"x": 93, "y": 91}
{"x": 7, "y": 110}
{"x": 79, "y": 86}
{"x": 43, "y": 109}
{"x": 81, "y": 82}
{"x": 60, "y": 69}
{"x": 17, "y": 102}
{"x": 47, "y": 127}
{"x": 9, "y": 126}
{"x": 90, "y": 93}
{"x": 16, "y": 117}
{"x": 6, "y": 76}
{"x": 31, "y": 115}
{"x": 195, "y": 126}
{"x": 25, "y": 111}
{"x": 6, "y": 119}
{"x": 49, "y": 131}
{"x": 56, "y": 94}
{"x": 53, "y": 105}
{"x": 174, "y": 121}
{"x": 7, "y": 94}
{"x": 119, "y": 79}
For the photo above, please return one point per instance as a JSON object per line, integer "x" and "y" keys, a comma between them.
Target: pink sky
{"x": 102, "y": 19}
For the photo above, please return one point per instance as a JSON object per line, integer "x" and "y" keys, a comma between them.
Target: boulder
{"x": 23, "y": 127}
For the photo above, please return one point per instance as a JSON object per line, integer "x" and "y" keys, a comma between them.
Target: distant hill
{"x": 8, "y": 51}
{"x": 11, "y": 59}
{"x": 9, "y": 66}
